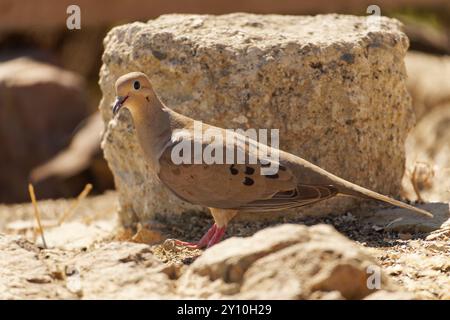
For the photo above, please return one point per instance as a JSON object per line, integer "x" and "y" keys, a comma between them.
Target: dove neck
{"x": 152, "y": 125}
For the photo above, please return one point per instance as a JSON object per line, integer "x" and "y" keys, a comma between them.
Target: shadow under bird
{"x": 228, "y": 188}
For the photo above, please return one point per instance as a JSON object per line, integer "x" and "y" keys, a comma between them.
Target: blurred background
{"x": 50, "y": 128}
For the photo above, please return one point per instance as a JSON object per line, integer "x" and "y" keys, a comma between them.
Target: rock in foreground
{"x": 107, "y": 271}
{"x": 284, "y": 262}
{"x": 333, "y": 85}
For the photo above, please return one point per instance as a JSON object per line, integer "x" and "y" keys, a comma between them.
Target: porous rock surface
{"x": 106, "y": 271}
{"x": 333, "y": 84}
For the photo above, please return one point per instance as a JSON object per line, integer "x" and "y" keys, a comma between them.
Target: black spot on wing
{"x": 248, "y": 181}
{"x": 233, "y": 170}
{"x": 249, "y": 170}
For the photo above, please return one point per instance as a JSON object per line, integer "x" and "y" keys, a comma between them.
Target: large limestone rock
{"x": 334, "y": 85}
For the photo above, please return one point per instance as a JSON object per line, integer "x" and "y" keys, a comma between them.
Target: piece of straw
{"x": 75, "y": 204}
{"x": 37, "y": 215}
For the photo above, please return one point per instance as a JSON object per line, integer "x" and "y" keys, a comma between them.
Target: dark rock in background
{"x": 40, "y": 107}
{"x": 82, "y": 157}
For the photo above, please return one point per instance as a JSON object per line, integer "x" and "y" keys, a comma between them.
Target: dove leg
{"x": 221, "y": 218}
{"x": 218, "y": 235}
{"x": 207, "y": 236}
{"x": 215, "y": 233}
{"x": 203, "y": 242}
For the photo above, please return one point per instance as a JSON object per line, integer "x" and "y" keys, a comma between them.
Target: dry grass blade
{"x": 37, "y": 215}
{"x": 75, "y": 204}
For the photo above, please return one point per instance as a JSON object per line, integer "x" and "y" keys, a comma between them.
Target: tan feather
{"x": 230, "y": 186}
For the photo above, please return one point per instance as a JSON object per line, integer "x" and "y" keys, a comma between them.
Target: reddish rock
{"x": 40, "y": 107}
{"x": 82, "y": 160}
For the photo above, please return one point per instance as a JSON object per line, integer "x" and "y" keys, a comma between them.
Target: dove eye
{"x": 136, "y": 85}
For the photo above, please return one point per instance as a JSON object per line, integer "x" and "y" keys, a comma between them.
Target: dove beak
{"x": 118, "y": 104}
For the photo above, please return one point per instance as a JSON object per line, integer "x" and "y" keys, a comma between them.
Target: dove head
{"x": 133, "y": 90}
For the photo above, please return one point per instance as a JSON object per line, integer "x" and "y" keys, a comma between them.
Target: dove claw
{"x": 190, "y": 245}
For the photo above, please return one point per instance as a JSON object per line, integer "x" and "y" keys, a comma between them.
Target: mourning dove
{"x": 229, "y": 186}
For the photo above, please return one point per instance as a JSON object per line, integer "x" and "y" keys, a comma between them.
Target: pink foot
{"x": 207, "y": 237}
{"x": 191, "y": 245}
{"x": 211, "y": 237}
{"x": 218, "y": 235}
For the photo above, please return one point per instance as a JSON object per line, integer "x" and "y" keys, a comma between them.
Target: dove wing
{"x": 235, "y": 186}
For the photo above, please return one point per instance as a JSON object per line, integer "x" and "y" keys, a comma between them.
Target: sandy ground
{"x": 418, "y": 261}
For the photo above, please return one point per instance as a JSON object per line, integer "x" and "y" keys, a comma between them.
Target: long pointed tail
{"x": 345, "y": 187}
{"x": 355, "y": 190}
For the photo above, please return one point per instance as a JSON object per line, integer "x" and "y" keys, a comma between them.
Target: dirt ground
{"x": 418, "y": 261}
